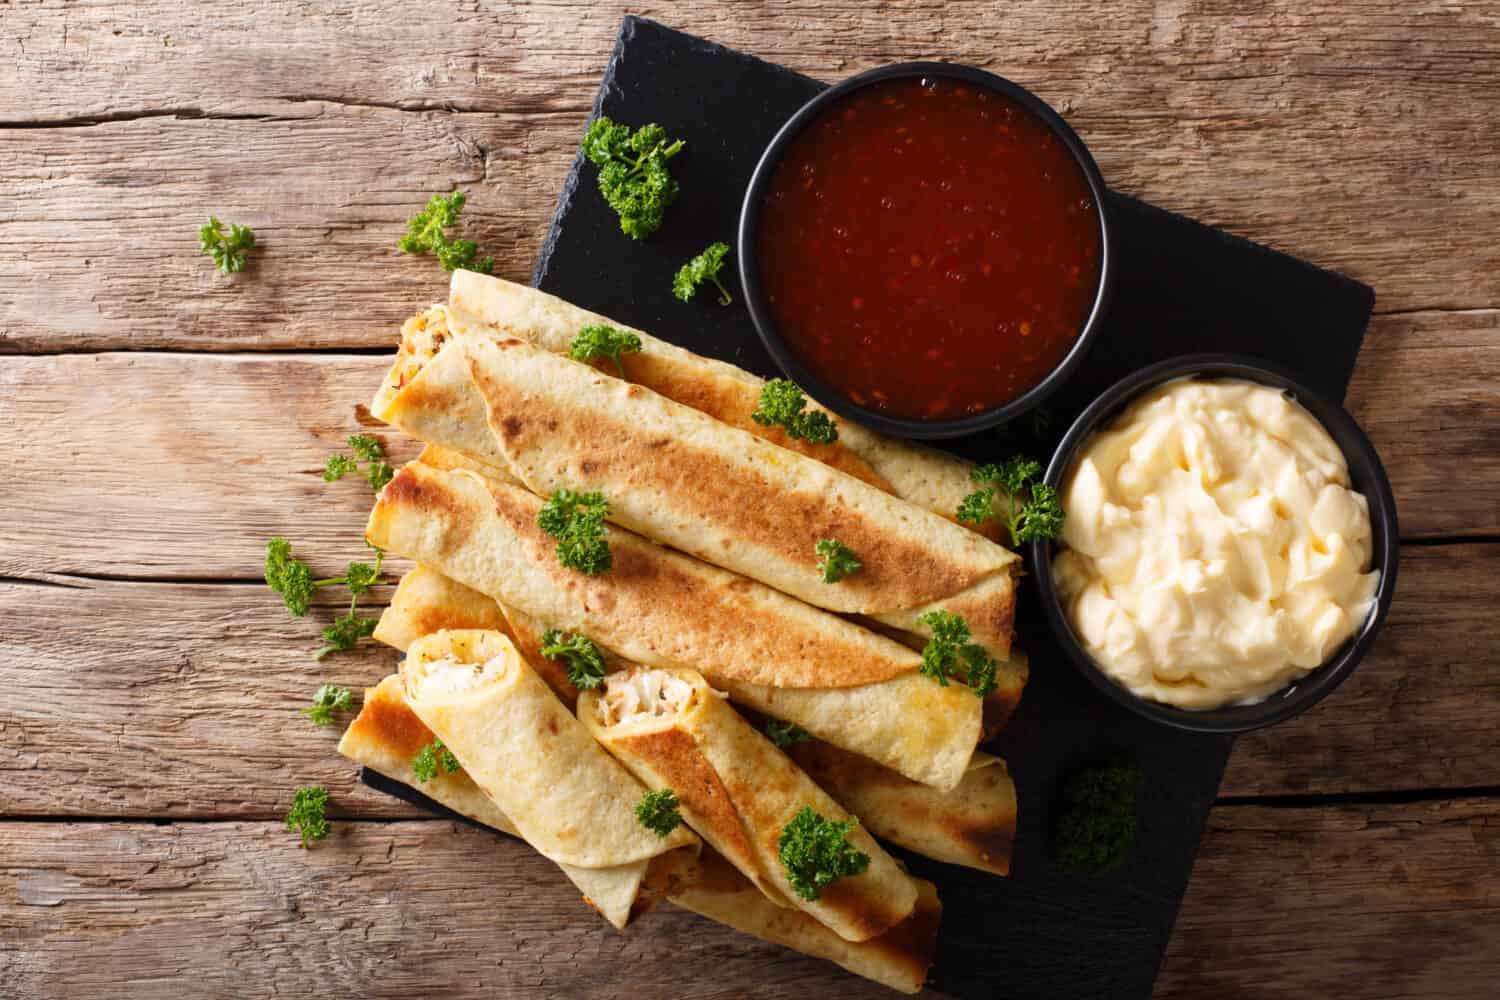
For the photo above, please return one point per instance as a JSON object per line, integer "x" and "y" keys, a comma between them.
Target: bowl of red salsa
{"x": 925, "y": 249}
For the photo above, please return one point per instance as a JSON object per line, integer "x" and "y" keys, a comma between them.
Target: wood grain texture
{"x": 181, "y": 700}
{"x": 424, "y": 909}
{"x": 1353, "y": 134}
{"x": 1356, "y": 901}
{"x": 1349, "y": 901}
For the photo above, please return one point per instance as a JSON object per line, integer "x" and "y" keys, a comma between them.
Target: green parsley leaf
{"x": 328, "y": 700}
{"x": 949, "y": 653}
{"x": 659, "y": 811}
{"x": 603, "y": 342}
{"x": 289, "y": 576}
{"x": 704, "y": 267}
{"x": 837, "y": 560}
{"x": 425, "y": 234}
{"x": 1096, "y": 825}
{"x": 633, "y": 174}
{"x": 584, "y": 659}
{"x": 432, "y": 760}
{"x": 228, "y": 251}
{"x": 344, "y": 633}
{"x": 783, "y": 404}
{"x": 576, "y": 520}
{"x": 816, "y": 853}
{"x": 367, "y": 449}
{"x": 784, "y": 734}
{"x": 1032, "y": 511}
{"x": 306, "y": 814}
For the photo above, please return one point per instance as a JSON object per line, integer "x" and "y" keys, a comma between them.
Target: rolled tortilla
{"x": 425, "y": 601}
{"x": 681, "y": 477}
{"x": 899, "y": 958}
{"x": 671, "y": 730}
{"x": 387, "y": 734}
{"x": 656, "y": 607}
{"x": 972, "y": 825}
{"x": 567, "y": 797}
{"x": 931, "y": 479}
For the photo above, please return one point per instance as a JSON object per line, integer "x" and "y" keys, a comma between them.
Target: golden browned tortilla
{"x": 736, "y": 789}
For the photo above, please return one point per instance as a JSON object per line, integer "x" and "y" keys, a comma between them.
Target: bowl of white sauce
{"x": 1230, "y": 544}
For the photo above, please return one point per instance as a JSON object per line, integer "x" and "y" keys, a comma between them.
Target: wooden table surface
{"x": 162, "y": 420}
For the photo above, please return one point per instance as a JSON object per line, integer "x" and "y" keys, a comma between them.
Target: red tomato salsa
{"x": 929, "y": 248}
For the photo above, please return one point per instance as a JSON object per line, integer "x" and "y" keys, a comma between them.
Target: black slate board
{"x": 1182, "y": 287}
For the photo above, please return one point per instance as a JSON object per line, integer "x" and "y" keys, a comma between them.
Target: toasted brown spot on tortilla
{"x": 386, "y": 720}
{"x": 511, "y": 427}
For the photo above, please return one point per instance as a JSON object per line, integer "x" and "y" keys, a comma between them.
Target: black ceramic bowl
{"x": 832, "y": 398}
{"x": 1367, "y": 477}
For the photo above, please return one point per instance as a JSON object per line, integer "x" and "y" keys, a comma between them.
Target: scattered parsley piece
{"x": 837, "y": 560}
{"x": 345, "y": 633}
{"x": 576, "y": 520}
{"x": 306, "y": 814}
{"x": 784, "y": 734}
{"x": 367, "y": 449}
{"x": 1039, "y": 516}
{"x": 704, "y": 267}
{"x": 1096, "y": 825}
{"x": 603, "y": 342}
{"x": 633, "y": 174}
{"x": 783, "y": 403}
{"x": 815, "y": 852}
{"x": 433, "y": 759}
{"x": 658, "y": 811}
{"x": 949, "y": 653}
{"x": 425, "y": 234}
{"x": 328, "y": 700}
{"x": 229, "y": 252}
{"x": 584, "y": 660}
{"x": 291, "y": 578}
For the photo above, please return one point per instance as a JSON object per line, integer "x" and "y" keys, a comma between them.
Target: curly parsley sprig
{"x": 229, "y": 250}
{"x": 599, "y": 341}
{"x": 326, "y": 701}
{"x": 836, "y": 560}
{"x": 306, "y": 814}
{"x": 703, "y": 268}
{"x": 633, "y": 174}
{"x": 576, "y": 520}
{"x": 782, "y": 403}
{"x": 582, "y": 657}
{"x": 293, "y": 580}
{"x": 815, "y": 851}
{"x": 425, "y": 234}
{"x": 368, "y": 450}
{"x": 1031, "y": 511}
{"x": 433, "y": 759}
{"x": 784, "y": 734}
{"x": 659, "y": 811}
{"x": 949, "y": 653}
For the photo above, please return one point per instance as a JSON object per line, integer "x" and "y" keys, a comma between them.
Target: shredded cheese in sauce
{"x": 634, "y": 695}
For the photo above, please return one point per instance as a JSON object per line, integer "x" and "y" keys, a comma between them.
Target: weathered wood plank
{"x": 1357, "y": 901}
{"x": 191, "y": 694}
{"x": 377, "y": 910}
{"x": 89, "y": 909}
{"x": 1366, "y": 120}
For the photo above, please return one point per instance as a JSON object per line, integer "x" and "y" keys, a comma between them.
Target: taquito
{"x": 899, "y": 958}
{"x": 387, "y": 734}
{"x": 425, "y": 601}
{"x": 671, "y": 730}
{"x": 972, "y": 825}
{"x": 931, "y": 479}
{"x": 566, "y": 797}
{"x": 683, "y": 478}
{"x": 656, "y": 607}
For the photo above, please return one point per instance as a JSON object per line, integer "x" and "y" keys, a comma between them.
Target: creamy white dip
{"x": 1213, "y": 550}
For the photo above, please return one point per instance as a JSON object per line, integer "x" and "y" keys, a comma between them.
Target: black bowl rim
{"x": 836, "y": 401}
{"x": 1367, "y": 475}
